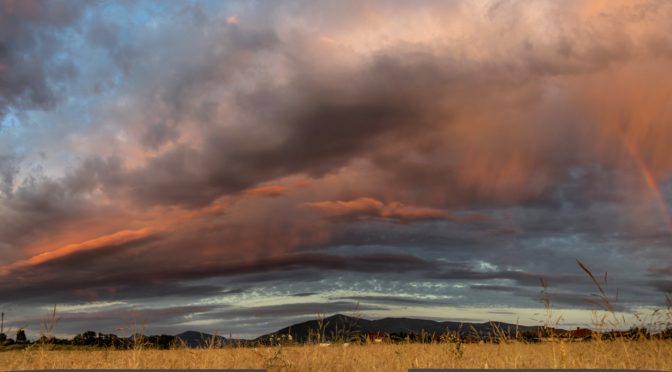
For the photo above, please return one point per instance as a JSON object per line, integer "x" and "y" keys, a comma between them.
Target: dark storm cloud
{"x": 142, "y": 314}
{"x": 663, "y": 285}
{"x": 373, "y": 263}
{"x": 319, "y": 126}
{"x": 321, "y": 120}
{"x": 489, "y": 287}
{"x": 304, "y": 294}
{"x": 521, "y": 278}
{"x": 95, "y": 274}
{"x": 298, "y": 309}
{"x": 143, "y": 275}
{"x": 158, "y": 134}
{"x": 324, "y": 118}
{"x": 560, "y": 298}
{"x": 30, "y": 67}
{"x": 396, "y": 300}
{"x": 92, "y": 172}
{"x": 660, "y": 270}
{"x": 37, "y": 207}
{"x": 298, "y": 275}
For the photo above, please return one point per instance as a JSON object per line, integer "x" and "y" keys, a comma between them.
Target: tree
{"x": 3, "y": 338}
{"x": 86, "y": 338}
{"x": 21, "y": 336}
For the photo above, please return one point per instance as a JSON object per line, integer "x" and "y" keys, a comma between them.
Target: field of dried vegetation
{"x": 618, "y": 354}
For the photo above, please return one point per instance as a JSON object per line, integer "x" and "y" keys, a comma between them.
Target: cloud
{"x": 327, "y": 112}
{"x": 266, "y": 191}
{"x": 98, "y": 277}
{"x": 158, "y": 134}
{"x": 294, "y": 309}
{"x": 117, "y": 239}
{"x": 8, "y": 171}
{"x": 29, "y": 52}
{"x": 663, "y": 285}
{"x": 119, "y": 314}
{"x": 396, "y": 300}
{"x": 372, "y": 208}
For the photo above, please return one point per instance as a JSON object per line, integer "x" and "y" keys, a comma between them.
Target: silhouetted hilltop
{"x": 343, "y": 327}
{"x": 200, "y": 339}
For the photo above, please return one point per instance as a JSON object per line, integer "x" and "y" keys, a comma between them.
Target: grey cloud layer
{"x": 31, "y": 72}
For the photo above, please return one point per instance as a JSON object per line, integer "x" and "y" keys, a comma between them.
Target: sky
{"x": 238, "y": 166}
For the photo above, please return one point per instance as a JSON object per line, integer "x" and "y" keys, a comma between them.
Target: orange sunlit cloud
{"x": 266, "y": 191}
{"x": 106, "y": 241}
{"x": 369, "y": 207}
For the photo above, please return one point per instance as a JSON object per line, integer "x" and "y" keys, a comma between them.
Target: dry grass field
{"x": 649, "y": 355}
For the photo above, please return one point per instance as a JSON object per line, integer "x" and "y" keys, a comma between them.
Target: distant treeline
{"x": 94, "y": 339}
{"x": 528, "y": 336}
{"x": 101, "y": 340}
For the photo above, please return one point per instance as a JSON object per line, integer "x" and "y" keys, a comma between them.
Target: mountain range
{"x": 341, "y": 326}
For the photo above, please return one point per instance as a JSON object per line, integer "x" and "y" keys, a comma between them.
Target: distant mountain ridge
{"x": 340, "y": 325}
{"x": 200, "y": 339}
{"x": 343, "y": 327}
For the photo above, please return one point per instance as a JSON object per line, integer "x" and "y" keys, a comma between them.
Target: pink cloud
{"x": 117, "y": 238}
{"x": 266, "y": 191}
{"x": 373, "y": 208}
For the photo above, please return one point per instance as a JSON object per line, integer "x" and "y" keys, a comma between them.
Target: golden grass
{"x": 650, "y": 355}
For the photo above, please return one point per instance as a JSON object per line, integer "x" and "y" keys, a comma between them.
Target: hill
{"x": 341, "y": 326}
{"x": 200, "y": 339}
